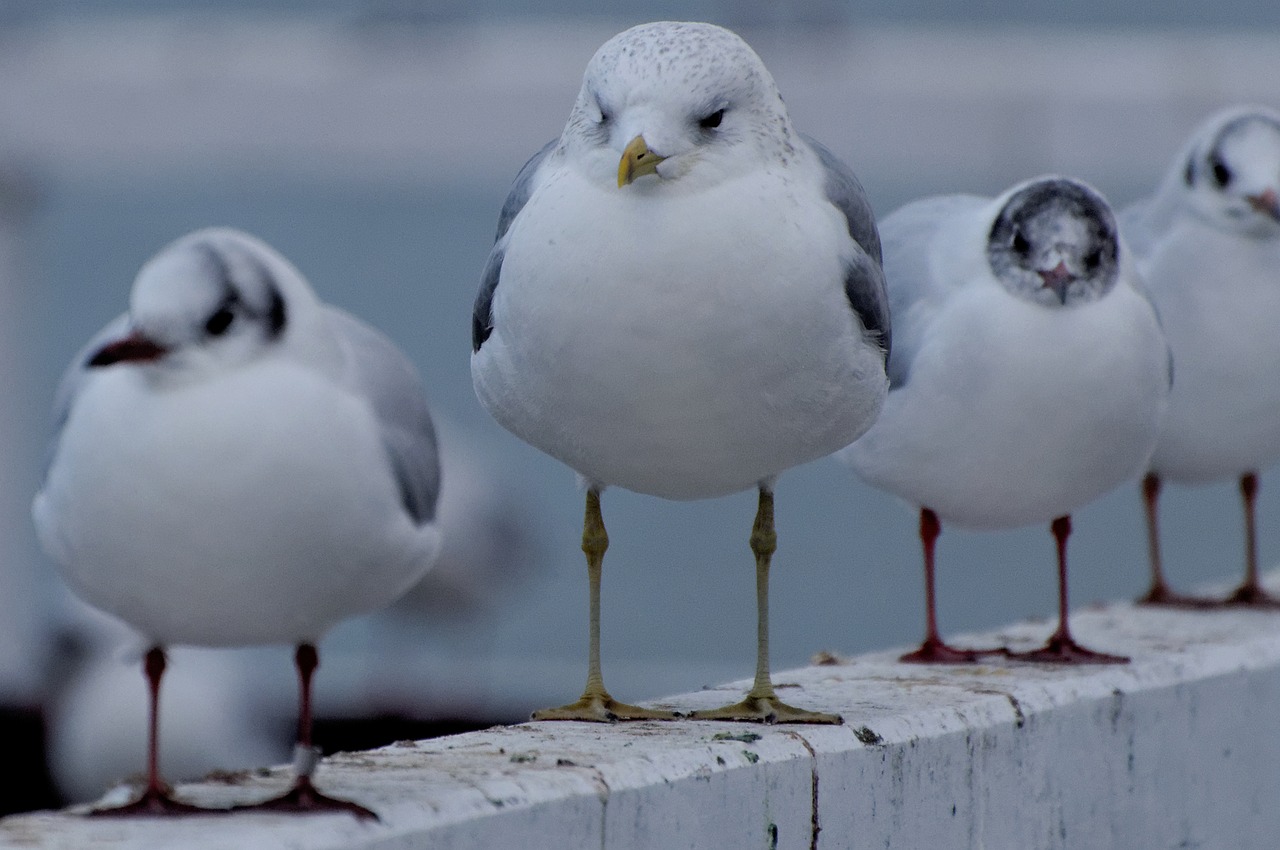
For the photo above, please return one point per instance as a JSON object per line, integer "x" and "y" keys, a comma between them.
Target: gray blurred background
{"x": 373, "y": 144}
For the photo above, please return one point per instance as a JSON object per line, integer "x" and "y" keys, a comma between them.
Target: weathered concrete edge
{"x": 914, "y": 736}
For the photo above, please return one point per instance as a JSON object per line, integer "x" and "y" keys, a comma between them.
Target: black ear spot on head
{"x": 1221, "y": 173}
{"x": 276, "y": 316}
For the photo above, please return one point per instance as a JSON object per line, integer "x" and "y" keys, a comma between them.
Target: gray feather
{"x": 381, "y": 374}
{"x": 482, "y": 313}
{"x": 521, "y": 189}
{"x": 864, "y": 283}
{"x": 909, "y": 233}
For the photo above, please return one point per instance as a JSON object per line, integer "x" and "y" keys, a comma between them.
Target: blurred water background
{"x": 373, "y": 144}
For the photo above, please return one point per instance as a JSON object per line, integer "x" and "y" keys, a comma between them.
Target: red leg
{"x": 1251, "y": 593}
{"x": 156, "y": 799}
{"x": 303, "y": 798}
{"x": 934, "y": 650}
{"x": 1061, "y": 648}
{"x": 1160, "y": 594}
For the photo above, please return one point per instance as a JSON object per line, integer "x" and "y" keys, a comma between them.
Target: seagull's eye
{"x": 1221, "y": 173}
{"x": 219, "y": 322}
{"x": 1020, "y": 243}
{"x": 712, "y": 121}
{"x": 1093, "y": 259}
{"x": 605, "y": 117}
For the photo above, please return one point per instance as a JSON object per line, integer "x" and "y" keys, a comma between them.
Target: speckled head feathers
{"x": 1054, "y": 242}
{"x": 689, "y": 89}
{"x": 691, "y": 56}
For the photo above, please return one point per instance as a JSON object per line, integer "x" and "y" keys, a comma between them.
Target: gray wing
{"x": 864, "y": 283}
{"x": 382, "y": 374}
{"x": 915, "y": 293}
{"x": 74, "y": 377}
{"x": 521, "y": 189}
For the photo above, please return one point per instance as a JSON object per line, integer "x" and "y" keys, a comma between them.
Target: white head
{"x": 1054, "y": 242}
{"x": 676, "y": 102}
{"x": 1231, "y": 172}
{"x": 212, "y": 299}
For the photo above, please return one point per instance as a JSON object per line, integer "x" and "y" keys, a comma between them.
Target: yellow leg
{"x": 761, "y": 704}
{"x": 595, "y": 703}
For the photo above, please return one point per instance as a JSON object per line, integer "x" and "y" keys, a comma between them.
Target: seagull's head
{"x": 666, "y": 103}
{"x": 210, "y": 300}
{"x": 1233, "y": 176}
{"x": 1054, "y": 242}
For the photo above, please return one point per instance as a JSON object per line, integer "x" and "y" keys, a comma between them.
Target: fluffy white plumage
{"x": 1008, "y": 410}
{"x": 685, "y": 299}
{"x": 1030, "y": 373}
{"x": 237, "y": 463}
{"x": 249, "y": 485}
{"x": 1210, "y": 252}
{"x": 691, "y": 335}
{"x": 1208, "y": 242}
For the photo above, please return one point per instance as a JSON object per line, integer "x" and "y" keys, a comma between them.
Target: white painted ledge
{"x": 1180, "y": 748}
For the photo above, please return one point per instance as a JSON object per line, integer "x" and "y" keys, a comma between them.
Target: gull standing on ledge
{"x": 685, "y": 299}
{"x": 238, "y": 463}
{"x": 1029, "y": 373}
{"x": 1208, "y": 244}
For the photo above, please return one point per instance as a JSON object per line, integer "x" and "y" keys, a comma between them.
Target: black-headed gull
{"x": 238, "y": 463}
{"x": 1208, "y": 244}
{"x": 1029, "y": 372}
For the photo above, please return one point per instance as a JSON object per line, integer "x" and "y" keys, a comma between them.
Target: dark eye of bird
{"x": 1221, "y": 174}
{"x": 219, "y": 322}
{"x": 712, "y": 121}
{"x": 1020, "y": 243}
{"x": 1093, "y": 259}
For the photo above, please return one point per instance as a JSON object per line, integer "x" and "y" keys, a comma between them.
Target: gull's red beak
{"x": 134, "y": 348}
{"x": 1057, "y": 279}
{"x": 1266, "y": 203}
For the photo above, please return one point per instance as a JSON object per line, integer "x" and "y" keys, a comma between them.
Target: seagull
{"x": 684, "y": 299}
{"x": 1029, "y": 373}
{"x": 237, "y": 463}
{"x": 1208, "y": 244}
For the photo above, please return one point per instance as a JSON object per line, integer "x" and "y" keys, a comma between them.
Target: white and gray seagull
{"x": 238, "y": 463}
{"x": 1029, "y": 373}
{"x": 1208, "y": 243}
{"x": 684, "y": 300}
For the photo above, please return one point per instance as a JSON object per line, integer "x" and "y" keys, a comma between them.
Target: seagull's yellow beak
{"x": 637, "y": 161}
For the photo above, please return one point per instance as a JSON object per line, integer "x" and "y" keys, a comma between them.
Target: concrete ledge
{"x": 1181, "y": 748}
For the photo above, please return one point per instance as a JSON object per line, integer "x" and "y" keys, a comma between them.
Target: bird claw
{"x": 303, "y": 799}
{"x": 598, "y": 708}
{"x": 154, "y": 802}
{"x": 766, "y": 709}
{"x": 1062, "y": 649}
{"x": 935, "y": 651}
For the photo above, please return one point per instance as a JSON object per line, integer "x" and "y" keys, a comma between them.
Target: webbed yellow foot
{"x": 766, "y": 709}
{"x": 602, "y": 708}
